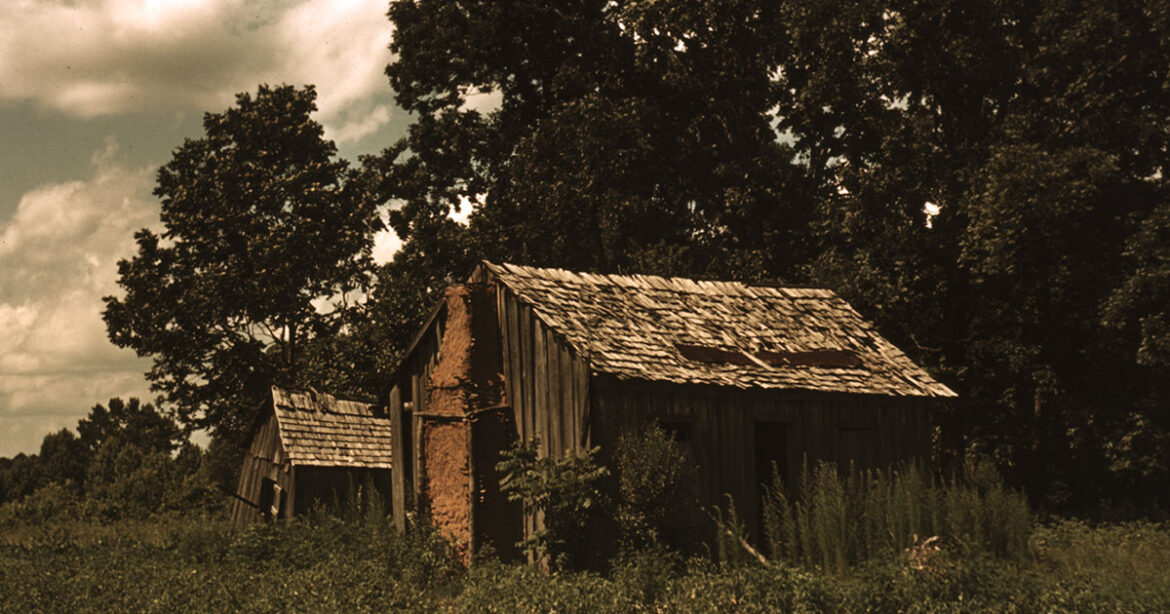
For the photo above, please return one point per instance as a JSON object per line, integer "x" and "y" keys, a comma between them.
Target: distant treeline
{"x": 126, "y": 460}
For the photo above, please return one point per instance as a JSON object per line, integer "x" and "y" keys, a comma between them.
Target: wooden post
{"x": 397, "y": 459}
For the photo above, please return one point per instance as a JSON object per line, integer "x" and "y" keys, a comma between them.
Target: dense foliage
{"x": 128, "y": 461}
{"x": 985, "y": 180}
{"x": 833, "y": 521}
{"x": 655, "y": 496}
{"x": 265, "y": 240}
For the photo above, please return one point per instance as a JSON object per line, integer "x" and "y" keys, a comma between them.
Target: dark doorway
{"x": 271, "y": 499}
{"x": 857, "y": 449}
{"x": 771, "y": 450}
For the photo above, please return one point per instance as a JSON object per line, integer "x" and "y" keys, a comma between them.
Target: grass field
{"x": 195, "y": 563}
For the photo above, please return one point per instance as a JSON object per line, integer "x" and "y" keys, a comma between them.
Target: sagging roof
{"x": 323, "y": 430}
{"x": 719, "y": 333}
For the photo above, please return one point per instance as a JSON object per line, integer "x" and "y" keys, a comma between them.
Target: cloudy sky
{"x": 94, "y": 96}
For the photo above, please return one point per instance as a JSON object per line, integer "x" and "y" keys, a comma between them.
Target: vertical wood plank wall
{"x": 546, "y": 384}
{"x": 397, "y": 454}
{"x": 723, "y": 422}
{"x": 410, "y": 387}
{"x": 260, "y": 463}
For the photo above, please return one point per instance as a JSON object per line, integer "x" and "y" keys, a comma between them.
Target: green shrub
{"x": 421, "y": 556}
{"x": 731, "y": 536}
{"x": 748, "y": 588}
{"x": 55, "y": 501}
{"x": 499, "y": 588}
{"x": 1122, "y": 564}
{"x": 647, "y": 574}
{"x": 173, "y": 563}
{"x": 563, "y": 492}
{"x": 353, "y": 501}
{"x": 653, "y": 472}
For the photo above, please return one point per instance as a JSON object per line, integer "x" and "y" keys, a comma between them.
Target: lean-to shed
{"x": 308, "y": 446}
{"x": 748, "y": 377}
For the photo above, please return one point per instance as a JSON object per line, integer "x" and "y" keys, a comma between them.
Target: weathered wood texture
{"x": 264, "y": 460}
{"x": 449, "y": 397}
{"x": 748, "y": 377}
{"x": 640, "y": 327}
{"x": 311, "y": 446}
{"x": 407, "y": 403}
{"x": 398, "y": 480}
{"x": 724, "y": 426}
{"x": 323, "y": 430}
{"x": 496, "y": 522}
{"x": 547, "y": 383}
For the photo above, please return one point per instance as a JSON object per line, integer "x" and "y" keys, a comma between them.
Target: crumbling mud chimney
{"x": 466, "y": 425}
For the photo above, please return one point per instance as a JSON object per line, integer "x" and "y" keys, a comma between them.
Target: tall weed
{"x": 838, "y": 519}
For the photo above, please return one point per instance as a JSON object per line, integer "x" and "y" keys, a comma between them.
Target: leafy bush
{"x": 498, "y": 588}
{"x": 564, "y": 493}
{"x": 1130, "y": 563}
{"x": 731, "y": 537}
{"x": 646, "y": 574}
{"x": 55, "y": 501}
{"x": 128, "y": 481}
{"x": 653, "y": 472}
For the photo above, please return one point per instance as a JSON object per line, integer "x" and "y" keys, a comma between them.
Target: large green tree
{"x": 985, "y": 179}
{"x": 128, "y": 423}
{"x": 264, "y": 243}
{"x": 1037, "y": 135}
{"x": 625, "y": 137}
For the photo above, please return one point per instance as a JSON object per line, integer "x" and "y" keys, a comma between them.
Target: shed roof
{"x": 323, "y": 430}
{"x": 720, "y": 333}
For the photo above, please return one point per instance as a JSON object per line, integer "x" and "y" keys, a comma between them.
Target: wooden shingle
{"x": 632, "y": 327}
{"x": 322, "y": 430}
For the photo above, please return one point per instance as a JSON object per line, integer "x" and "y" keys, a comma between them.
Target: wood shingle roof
{"x": 323, "y": 430}
{"x": 718, "y": 333}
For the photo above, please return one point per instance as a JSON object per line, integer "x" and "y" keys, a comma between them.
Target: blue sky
{"x": 94, "y": 96}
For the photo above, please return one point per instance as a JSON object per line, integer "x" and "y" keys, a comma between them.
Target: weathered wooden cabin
{"x": 747, "y": 376}
{"x": 308, "y": 446}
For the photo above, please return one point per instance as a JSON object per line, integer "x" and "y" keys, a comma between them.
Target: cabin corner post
{"x": 397, "y": 459}
{"x": 291, "y": 497}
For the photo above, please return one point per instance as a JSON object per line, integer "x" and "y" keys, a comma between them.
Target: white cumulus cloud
{"x": 58, "y": 257}
{"x": 118, "y": 56}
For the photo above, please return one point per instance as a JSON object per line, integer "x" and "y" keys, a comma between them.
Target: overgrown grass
{"x": 863, "y": 542}
{"x": 199, "y": 564}
{"x": 833, "y": 522}
{"x": 325, "y": 564}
